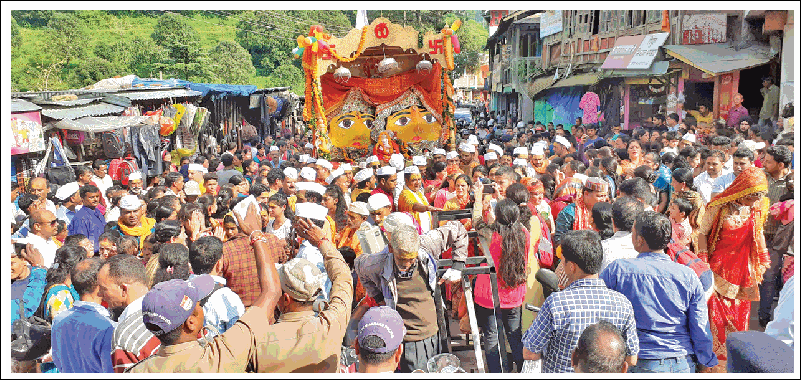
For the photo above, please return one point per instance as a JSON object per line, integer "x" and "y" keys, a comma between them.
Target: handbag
{"x": 30, "y": 337}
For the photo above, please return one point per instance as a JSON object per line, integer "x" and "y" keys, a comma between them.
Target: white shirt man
{"x": 619, "y": 246}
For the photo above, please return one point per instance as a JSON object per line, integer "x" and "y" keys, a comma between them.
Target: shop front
{"x": 712, "y": 74}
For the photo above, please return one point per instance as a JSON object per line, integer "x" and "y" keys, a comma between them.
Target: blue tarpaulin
{"x": 559, "y": 105}
{"x": 205, "y": 88}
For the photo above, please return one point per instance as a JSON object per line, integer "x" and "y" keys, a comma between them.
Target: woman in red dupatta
{"x": 731, "y": 241}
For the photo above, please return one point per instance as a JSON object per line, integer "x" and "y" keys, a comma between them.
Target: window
{"x": 595, "y": 21}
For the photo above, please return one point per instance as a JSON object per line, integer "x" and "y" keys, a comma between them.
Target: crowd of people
{"x": 268, "y": 259}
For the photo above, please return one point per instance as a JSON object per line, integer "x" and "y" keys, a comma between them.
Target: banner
{"x": 550, "y": 23}
{"x": 26, "y": 132}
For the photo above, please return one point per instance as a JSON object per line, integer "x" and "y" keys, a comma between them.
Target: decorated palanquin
{"x": 376, "y": 91}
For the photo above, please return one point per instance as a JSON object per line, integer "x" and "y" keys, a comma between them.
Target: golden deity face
{"x": 351, "y": 130}
{"x": 414, "y": 125}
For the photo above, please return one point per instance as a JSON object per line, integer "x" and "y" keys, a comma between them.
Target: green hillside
{"x": 56, "y": 50}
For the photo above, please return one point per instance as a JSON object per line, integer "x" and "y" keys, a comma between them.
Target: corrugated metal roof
{"x": 19, "y": 105}
{"x": 165, "y": 94}
{"x": 533, "y": 19}
{"x": 720, "y": 58}
{"x": 67, "y": 103}
{"x": 534, "y": 87}
{"x": 578, "y": 80}
{"x": 97, "y": 109}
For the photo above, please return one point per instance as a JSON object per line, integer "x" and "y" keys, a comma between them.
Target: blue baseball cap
{"x": 168, "y": 304}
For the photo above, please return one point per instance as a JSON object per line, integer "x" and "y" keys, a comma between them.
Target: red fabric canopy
{"x": 383, "y": 90}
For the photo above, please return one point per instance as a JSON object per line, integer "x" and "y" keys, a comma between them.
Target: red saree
{"x": 737, "y": 256}
{"x": 730, "y": 264}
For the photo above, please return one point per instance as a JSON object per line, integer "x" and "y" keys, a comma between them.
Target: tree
{"x": 230, "y": 63}
{"x": 270, "y": 36}
{"x": 182, "y": 43}
{"x": 33, "y": 19}
{"x": 69, "y": 39}
{"x": 472, "y": 39}
{"x": 16, "y": 38}
{"x": 288, "y": 75}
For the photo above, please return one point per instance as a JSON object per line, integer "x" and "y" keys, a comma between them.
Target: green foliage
{"x": 33, "y": 19}
{"x": 16, "y": 38}
{"x": 68, "y": 38}
{"x": 287, "y": 75}
{"x": 187, "y": 60}
{"x": 230, "y": 63}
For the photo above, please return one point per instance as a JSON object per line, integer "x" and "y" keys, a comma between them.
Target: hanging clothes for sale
{"x": 149, "y": 140}
{"x": 138, "y": 150}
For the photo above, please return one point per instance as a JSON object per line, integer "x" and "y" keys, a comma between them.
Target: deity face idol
{"x": 414, "y": 125}
{"x": 351, "y": 130}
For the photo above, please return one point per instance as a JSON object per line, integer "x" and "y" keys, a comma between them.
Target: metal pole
{"x": 471, "y": 312}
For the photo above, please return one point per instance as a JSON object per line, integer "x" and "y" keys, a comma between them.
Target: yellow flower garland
{"x": 359, "y": 50}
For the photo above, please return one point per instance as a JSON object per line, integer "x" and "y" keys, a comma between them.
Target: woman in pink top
{"x": 509, "y": 242}
{"x": 447, "y": 191}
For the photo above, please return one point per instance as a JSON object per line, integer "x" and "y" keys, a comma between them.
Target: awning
{"x": 585, "y": 79}
{"x": 536, "y": 86}
{"x": 96, "y": 109}
{"x": 162, "y": 94}
{"x": 715, "y": 59}
{"x": 20, "y": 105}
{"x": 102, "y": 124}
{"x": 657, "y": 69}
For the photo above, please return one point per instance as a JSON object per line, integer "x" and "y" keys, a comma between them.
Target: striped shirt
{"x": 222, "y": 309}
{"x": 564, "y": 316}
{"x": 132, "y": 341}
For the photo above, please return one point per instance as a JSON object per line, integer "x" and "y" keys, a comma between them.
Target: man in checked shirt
{"x": 555, "y": 332}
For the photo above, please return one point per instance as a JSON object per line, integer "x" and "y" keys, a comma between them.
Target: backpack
{"x": 60, "y": 175}
{"x": 120, "y": 168}
{"x": 30, "y": 337}
{"x": 113, "y": 144}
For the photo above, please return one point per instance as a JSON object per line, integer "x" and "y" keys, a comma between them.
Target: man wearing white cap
{"x": 191, "y": 191}
{"x": 290, "y": 178}
{"x": 379, "y": 206}
{"x": 687, "y": 140}
{"x": 308, "y": 149}
{"x": 439, "y": 155}
{"x": 386, "y": 180}
{"x": 496, "y": 148}
{"x": 70, "y": 201}
{"x": 452, "y": 158}
{"x": 404, "y": 278}
{"x": 467, "y": 161}
{"x": 561, "y": 147}
{"x": 420, "y": 162}
{"x": 537, "y": 157}
{"x": 357, "y": 219}
{"x": 132, "y": 222}
{"x": 275, "y": 157}
{"x": 324, "y": 169}
{"x": 348, "y": 169}
{"x": 196, "y": 173}
{"x": 365, "y": 183}
{"x": 135, "y": 183}
{"x": 315, "y": 214}
{"x": 490, "y": 158}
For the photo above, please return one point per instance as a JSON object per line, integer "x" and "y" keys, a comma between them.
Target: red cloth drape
{"x": 385, "y": 90}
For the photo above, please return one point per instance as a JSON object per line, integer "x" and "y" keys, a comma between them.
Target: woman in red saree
{"x": 731, "y": 241}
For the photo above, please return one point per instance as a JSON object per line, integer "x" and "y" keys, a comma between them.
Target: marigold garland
{"x": 359, "y": 50}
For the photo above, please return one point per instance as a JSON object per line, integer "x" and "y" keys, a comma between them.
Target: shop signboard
{"x": 634, "y": 52}
{"x": 26, "y": 132}
{"x": 550, "y": 23}
{"x": 709, "y": 28}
